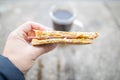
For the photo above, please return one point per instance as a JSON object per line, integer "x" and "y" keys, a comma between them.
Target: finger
{"x": 29, "y": 26}
{"x": 26, "y": 30}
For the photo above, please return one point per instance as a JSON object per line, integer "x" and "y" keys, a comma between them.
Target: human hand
{"x": 19, "y": 50}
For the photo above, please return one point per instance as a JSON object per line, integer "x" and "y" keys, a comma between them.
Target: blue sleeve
{"x": 8, "y": 71}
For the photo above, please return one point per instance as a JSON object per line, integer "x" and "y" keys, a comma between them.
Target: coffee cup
{"x": 63, "y": 17}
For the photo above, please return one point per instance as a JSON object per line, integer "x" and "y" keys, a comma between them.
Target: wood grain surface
{"x": 97, "y": 61}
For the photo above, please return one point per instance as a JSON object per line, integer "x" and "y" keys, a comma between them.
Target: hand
{"x": 19, "y": 50}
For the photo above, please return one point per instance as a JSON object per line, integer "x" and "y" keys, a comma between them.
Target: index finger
{"x": 30, "y": 26}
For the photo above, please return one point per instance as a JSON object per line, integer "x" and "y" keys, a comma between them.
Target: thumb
{"x": 39, "y": 50}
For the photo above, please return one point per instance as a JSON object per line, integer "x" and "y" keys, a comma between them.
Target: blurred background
{"x": 97, "y": 61}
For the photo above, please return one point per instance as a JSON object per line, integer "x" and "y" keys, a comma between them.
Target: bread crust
{"x": 61, "y": 41}
{"x": 63, "y": 34}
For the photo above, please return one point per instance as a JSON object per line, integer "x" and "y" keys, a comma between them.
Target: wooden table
{"x": 97, "y": 61}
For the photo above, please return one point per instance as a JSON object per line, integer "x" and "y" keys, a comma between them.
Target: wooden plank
{"x": 113, "y": 7}
{"x": 97, "y": 61}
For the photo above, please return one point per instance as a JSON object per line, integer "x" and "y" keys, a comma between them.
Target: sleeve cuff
{"x": 9, "y": 71}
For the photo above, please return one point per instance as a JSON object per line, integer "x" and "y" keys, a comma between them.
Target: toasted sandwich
{"x": 62, "y": 37}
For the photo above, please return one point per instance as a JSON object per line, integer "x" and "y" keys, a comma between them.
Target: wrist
{"x": 14, "y": 61}
{"x": 12, "y": 70}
